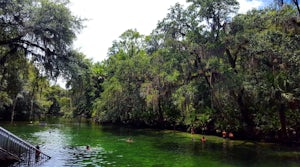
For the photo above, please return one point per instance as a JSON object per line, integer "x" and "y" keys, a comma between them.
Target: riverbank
{"x": 290, "y": 153}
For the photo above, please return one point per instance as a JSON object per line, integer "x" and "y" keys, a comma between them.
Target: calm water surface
{"x": 66, "y": 144}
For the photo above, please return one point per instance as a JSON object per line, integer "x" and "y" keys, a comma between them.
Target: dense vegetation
{"x": 203, "y": 66}
{"x": 35, "y": 46}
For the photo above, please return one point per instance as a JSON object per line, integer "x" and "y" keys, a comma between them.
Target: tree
{"x": 265, "y": 51}
{"x": 126, "y": 69}
{"x": 80, "y": 84}
{"x": 16, "y": 74}
{"x": 280, "y": 3}
{"x": 35, "y": 35}
{"x": 216, "y": 13}
{"x": 40, "y": 30}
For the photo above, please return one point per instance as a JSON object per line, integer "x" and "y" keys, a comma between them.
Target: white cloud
{"x": 108, "y": 19}
{"x": 246, "y": 5}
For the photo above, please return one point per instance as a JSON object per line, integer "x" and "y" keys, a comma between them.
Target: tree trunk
{"x": 280, "y": 3}
{"x": 31, "y": 110}
{"x": 246, "y": 115}
{"x": 296, "y": 3}
{"x": 31, "y": 105}
{"x": 282, "y": 118}
{"x": 160, "y": 112}
{"x": 13, "y": 110}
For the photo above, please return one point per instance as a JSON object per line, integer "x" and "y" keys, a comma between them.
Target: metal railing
{"x": 26, "y": 152}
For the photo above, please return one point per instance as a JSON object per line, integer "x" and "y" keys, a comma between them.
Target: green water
{"x": 66, "y": 144}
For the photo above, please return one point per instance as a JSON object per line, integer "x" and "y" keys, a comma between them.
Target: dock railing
{"x": 26, "y": 153}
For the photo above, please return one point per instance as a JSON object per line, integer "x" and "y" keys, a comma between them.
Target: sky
{"x": 108, "y": 19}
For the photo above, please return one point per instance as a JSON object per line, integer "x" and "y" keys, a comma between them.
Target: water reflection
{"x": 80, "y": 156}
{"x": 55, "y": 143}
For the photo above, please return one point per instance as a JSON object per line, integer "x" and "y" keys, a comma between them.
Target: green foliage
{"x": 35, "y": 44}
{"x": 42, "y": 30}
{"x": 5, "y": 100}
{"x": 238, "y": 74}
{"x": 267, "y": 49}
{"x": 202, "y": 66}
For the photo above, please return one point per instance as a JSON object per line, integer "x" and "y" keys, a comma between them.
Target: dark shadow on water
{"x": 253, "y": 155}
